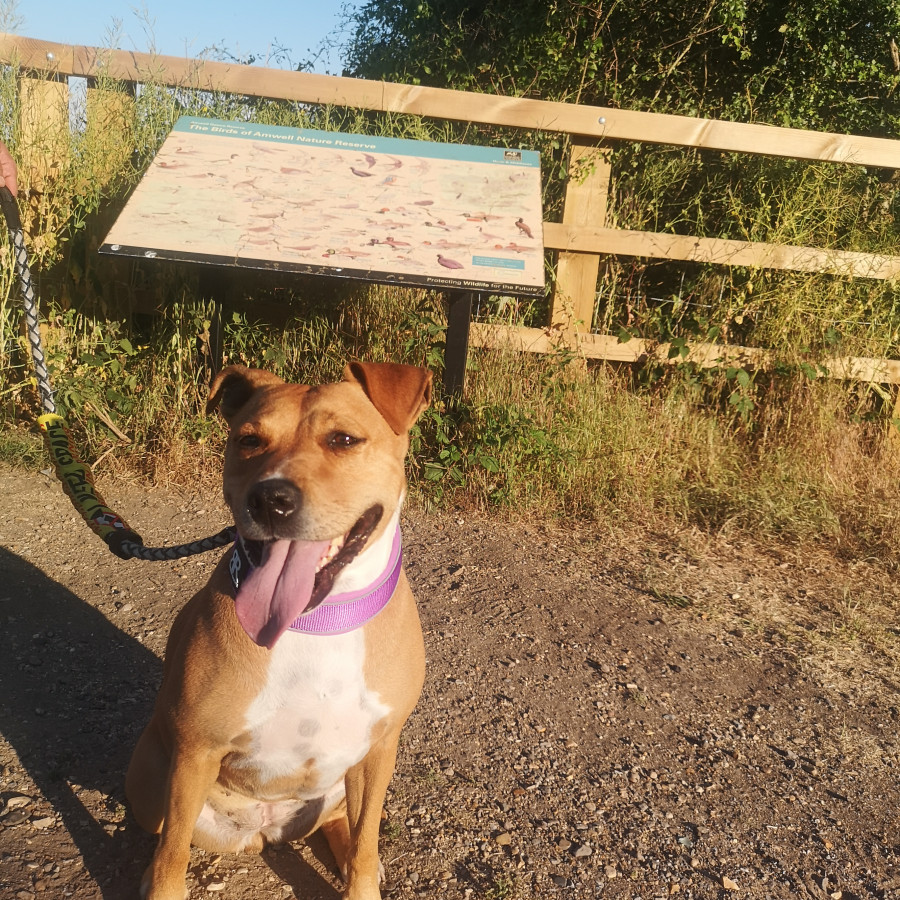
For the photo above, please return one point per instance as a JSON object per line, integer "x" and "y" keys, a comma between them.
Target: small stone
{"x": 216, "y": 886}
{"x": 43, "y": 822}
{"x": 558, "y": 880}
{"x": 504, "y": 840}
{"x": 15, "y": 817}
{"x": 610, "y": 872}
{"x": 728, "y": 884}
{"x": 583, "y": 851}
{"x": 18, "y": 801}
{"x": 563, "y": 845}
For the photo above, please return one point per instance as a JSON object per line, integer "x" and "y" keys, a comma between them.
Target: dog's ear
{"x": 398, "y": 392}
{"x": 232, "y": 387}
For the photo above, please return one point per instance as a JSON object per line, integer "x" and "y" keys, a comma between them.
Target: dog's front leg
{"x": 366, "y": 785}
{"x": 193, "y": 772}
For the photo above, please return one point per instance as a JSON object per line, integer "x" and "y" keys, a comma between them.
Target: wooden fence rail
{"x": 582, "y": 238}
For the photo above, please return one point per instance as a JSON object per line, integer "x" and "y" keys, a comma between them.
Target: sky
{"x": 187, "y": 28}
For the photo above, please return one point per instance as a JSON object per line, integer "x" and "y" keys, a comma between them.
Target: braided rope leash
{"x": 77, "y": 479}
{"x": 17, "y": 237}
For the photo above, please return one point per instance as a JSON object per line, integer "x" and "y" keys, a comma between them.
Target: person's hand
{"x": 9, "y": 172}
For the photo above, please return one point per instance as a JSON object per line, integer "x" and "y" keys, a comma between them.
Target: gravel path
{"x": 618, "y": 715}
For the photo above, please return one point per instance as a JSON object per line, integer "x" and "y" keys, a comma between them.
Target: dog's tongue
{"x": 279, "y": 590}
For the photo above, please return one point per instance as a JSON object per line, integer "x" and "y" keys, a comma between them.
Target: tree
{"x": 827, "y": 64}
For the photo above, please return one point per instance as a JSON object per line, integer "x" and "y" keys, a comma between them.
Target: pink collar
{"x": 337, "y": 613}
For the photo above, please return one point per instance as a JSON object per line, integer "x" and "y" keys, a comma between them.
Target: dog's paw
{"x": 147, "y": 892}
{"x": 365, "y": 888}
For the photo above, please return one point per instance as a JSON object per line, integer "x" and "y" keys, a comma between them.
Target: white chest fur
{"x": 313, "y": 718}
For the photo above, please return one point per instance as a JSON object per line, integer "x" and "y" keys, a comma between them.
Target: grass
{"x": 505, "y": 887}
{"x": 21, "y": 448}
{"x": 535, "y": 436}
{"x": 587, "y": 445}
{"x": 776, "y": 453}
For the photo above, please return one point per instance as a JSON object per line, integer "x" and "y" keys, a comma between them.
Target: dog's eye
{"x": 249, "y": 441}
{"x": 340, "y": 440}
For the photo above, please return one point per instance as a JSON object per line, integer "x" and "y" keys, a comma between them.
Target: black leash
{"x": 76, "y": 477}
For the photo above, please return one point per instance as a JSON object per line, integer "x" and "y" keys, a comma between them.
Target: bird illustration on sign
{"x": 390, "y": 212}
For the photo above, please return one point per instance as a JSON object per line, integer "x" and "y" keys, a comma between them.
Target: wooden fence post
{"x": 109, "y": 139}
{"x": 42, "y": 151}
{"x": 109, "y": 132}
{"x": 43, "y": 130}
{"x": 576, "y": 274}
{"x": 892, "y": 434}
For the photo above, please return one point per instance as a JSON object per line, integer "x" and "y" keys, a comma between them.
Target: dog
{"x": 288, "y": 677}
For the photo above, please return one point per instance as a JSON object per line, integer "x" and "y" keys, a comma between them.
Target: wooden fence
{"x": 581, "y": 239}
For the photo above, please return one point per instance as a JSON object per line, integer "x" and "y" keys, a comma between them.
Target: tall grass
{"x": 799, "y": 316}
{"x": 585, "y": 444}
{"x": 767, "y": 453}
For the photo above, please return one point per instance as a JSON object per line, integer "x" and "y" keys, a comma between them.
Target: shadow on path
{"x": 75, "y": 692}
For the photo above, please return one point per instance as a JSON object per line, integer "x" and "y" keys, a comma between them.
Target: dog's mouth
{"x": 293, "y": 577}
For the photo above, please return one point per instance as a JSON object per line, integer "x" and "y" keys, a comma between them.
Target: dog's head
{"x": 337, "y": 449}
{"x": 315, "y": 474}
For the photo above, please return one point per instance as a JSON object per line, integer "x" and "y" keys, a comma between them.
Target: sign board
{"x": 412, "y": 213}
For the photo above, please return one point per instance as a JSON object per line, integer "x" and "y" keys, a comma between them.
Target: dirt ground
{"x": 617, "y": 714}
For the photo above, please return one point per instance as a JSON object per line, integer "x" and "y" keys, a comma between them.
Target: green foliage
{"x": 827, "y": 64}
{"x": 451, "y": 446}
{"x": 504, "y": 887}
{"x": 21, "y": 449}
{"x": 97, "y": 372}
{"x": 802, "y": 318}
{"x": 534, "y": 435}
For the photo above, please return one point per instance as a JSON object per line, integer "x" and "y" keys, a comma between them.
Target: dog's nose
{"x": 273, "y": 502}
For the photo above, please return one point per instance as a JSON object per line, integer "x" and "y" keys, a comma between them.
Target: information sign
{"x": 414, "y": 213}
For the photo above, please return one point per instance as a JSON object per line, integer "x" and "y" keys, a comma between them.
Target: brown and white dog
{"x": 288, "y": 677}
